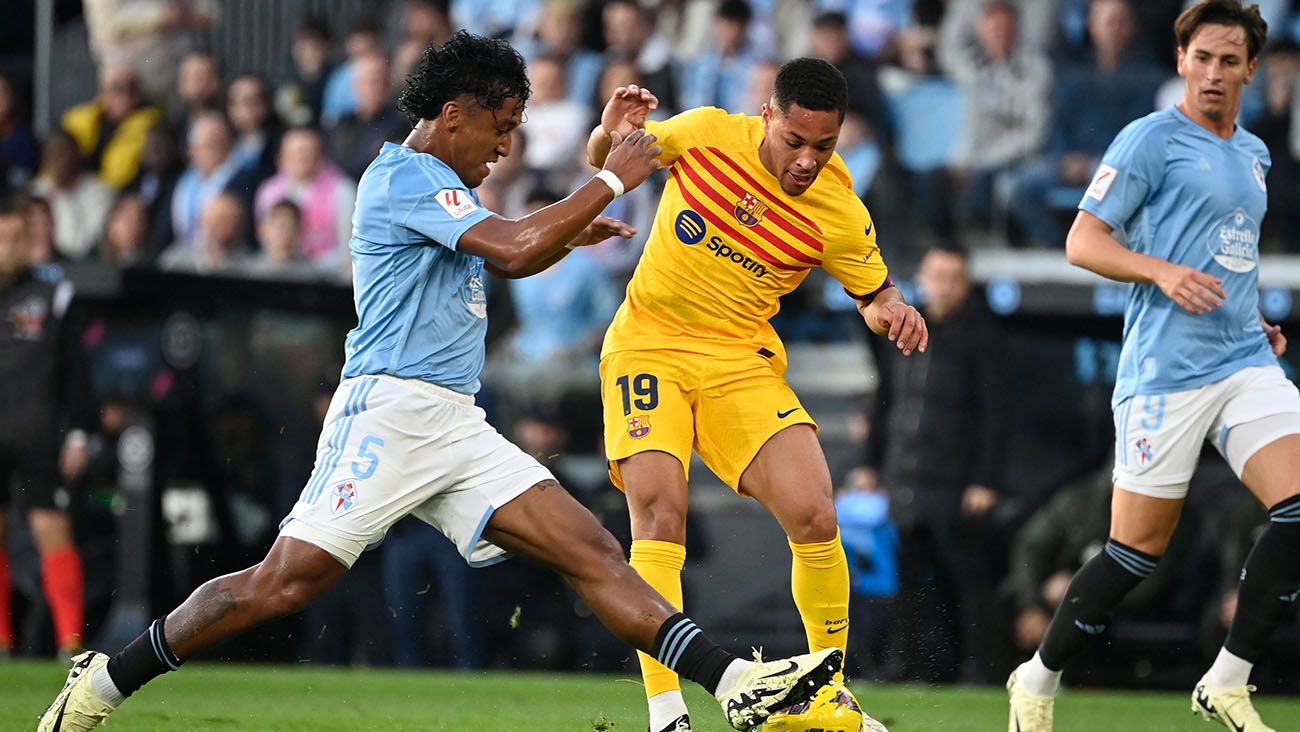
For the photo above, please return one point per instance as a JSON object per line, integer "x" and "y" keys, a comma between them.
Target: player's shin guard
{"x": 143, "y": 660}
{"x": 660, "y": 564}
{"x": 819, "y": 580}
{"x": 1096, "y": 589}
{"x": 682, "y": 646}
{"x": 1270, "y": 582}
{"x": 65, "y": 589}
{"x": 6, "y": 624}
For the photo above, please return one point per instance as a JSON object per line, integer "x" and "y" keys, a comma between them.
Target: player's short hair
{"x": 812, "y": 84}
{"x": 1223, "y": 12}
{"x": 487, "y": 69}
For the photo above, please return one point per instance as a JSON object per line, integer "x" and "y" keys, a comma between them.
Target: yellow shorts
{"x": 723, "y": 407}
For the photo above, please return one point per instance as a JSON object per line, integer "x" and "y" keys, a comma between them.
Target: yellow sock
{"x": 660, "y": 564}
{"x": 819, "y": 581}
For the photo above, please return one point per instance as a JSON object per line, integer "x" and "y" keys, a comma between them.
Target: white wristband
{"x": 612, "y": 181}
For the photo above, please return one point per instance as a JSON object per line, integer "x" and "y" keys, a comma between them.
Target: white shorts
{"x": 1158, "y": 437}
{"x": 392, "y": 447}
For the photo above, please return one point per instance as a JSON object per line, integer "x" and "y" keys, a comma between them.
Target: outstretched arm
{"x": 624, "y": 113}
{"x": 1090, "y": 245}
{"x": 518, "y": 247}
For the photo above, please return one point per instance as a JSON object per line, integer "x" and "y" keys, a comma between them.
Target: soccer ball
{"x": 832, "y": 709}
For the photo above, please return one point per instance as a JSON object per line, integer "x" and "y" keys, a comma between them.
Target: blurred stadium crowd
{"x": 973, "y": 124}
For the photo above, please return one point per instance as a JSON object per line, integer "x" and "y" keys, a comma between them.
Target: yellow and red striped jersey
{"x": 727, "y": 242}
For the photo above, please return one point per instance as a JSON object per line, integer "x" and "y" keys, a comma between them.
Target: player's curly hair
{"x": 1223, "y": 12}
{"x": 812, "y": 84}
{"x": 487, "y": 69}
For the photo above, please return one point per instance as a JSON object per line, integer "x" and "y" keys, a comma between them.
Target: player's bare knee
{"x": 815, "y": 522}
{"x": 659, "y": 517}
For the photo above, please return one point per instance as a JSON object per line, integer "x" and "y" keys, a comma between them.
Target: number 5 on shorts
{"x": 644, "y": 386}
{"x": 363, "y": 452}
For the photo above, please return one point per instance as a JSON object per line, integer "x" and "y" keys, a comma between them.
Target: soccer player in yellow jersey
{"x": 691, "y": 362}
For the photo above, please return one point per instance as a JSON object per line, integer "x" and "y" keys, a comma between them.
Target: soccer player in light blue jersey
{"x": 1174, "y": 209}
{"x": 403, "y": 436}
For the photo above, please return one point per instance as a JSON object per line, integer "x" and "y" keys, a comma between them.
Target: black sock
{"x": 682, "y": 646}
{"x": 143, "y": 660}
{"x": 1269, "y": 582}
{"x": 1094, "y": 592}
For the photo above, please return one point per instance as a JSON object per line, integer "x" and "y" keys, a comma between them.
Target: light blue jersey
{"x": 421, "y": 305}
{"x": 1173, "y": 190}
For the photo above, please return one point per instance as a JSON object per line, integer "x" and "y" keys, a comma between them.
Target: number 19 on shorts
{"x": 641, "y": 391}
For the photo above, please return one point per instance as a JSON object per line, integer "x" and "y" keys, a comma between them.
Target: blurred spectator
{"x": 126, "y": 235}
{"x": 213, "y": 169}
{"x": 830, "y": 41}
{"x": 555, "y": 125}
{"x": 1038, "y": 21}
{"x": 860, "y": 148}
{"x": 78, "y": 200}
{"x": 936, "y": 441}
{"x": 279, "y": 239}
{"x": 356, "y": 137}
{"x": 198, "y": 90}
{"x": 1005, "y": 83}
{"x": 420, "y": 564}
{"x": 1058, "y": 539}
{"x": 19, "y": 151}
{"x": 1280, "y": 69}
{"x": 559, "y": 34}
{"x": 629, "y": 31}
{"x": 257, "y": 127}
{"x": 38, "y": 447}
{"x": 872, "y": 24}
{"x": 147, "y": 35}
{"x": 362, "y": 39}
{"x": 323, "y": 194}
{"x": 1081, "y": 128}
{"x": 510, "y": 19}
{"x": 219, "y": 246}
{"x": 160, "y": 168}
{"x": 762, "y": 79}
{"x": 870, "y": 541}
{"x": 719, "y": 76}
{"x": 111, "y": 129}
{"x": 423, "y": 22}
{"x": 299, "y": 99}
{"x": 45, "y": 259}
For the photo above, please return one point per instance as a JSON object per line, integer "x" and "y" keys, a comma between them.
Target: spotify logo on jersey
{"x": 689, "y": 227}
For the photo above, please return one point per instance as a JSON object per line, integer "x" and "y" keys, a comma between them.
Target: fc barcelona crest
{"x": 638, "y": 426}
{"x": 750, "y": 210}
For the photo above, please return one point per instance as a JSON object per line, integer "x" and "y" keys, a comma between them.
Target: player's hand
{"x": 1276, "y": 340}
{"x": 1194, "y": 291}
{"x": 906, "y": 327}
{"x": 633, "y": 158}
{"x": 602, "y": 228}
{"x": 627, "y": 109}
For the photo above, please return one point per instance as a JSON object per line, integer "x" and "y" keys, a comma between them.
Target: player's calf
{"x": 1094, "y": 592}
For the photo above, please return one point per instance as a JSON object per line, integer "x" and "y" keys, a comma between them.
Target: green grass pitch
{"x": 288, "y": 699}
